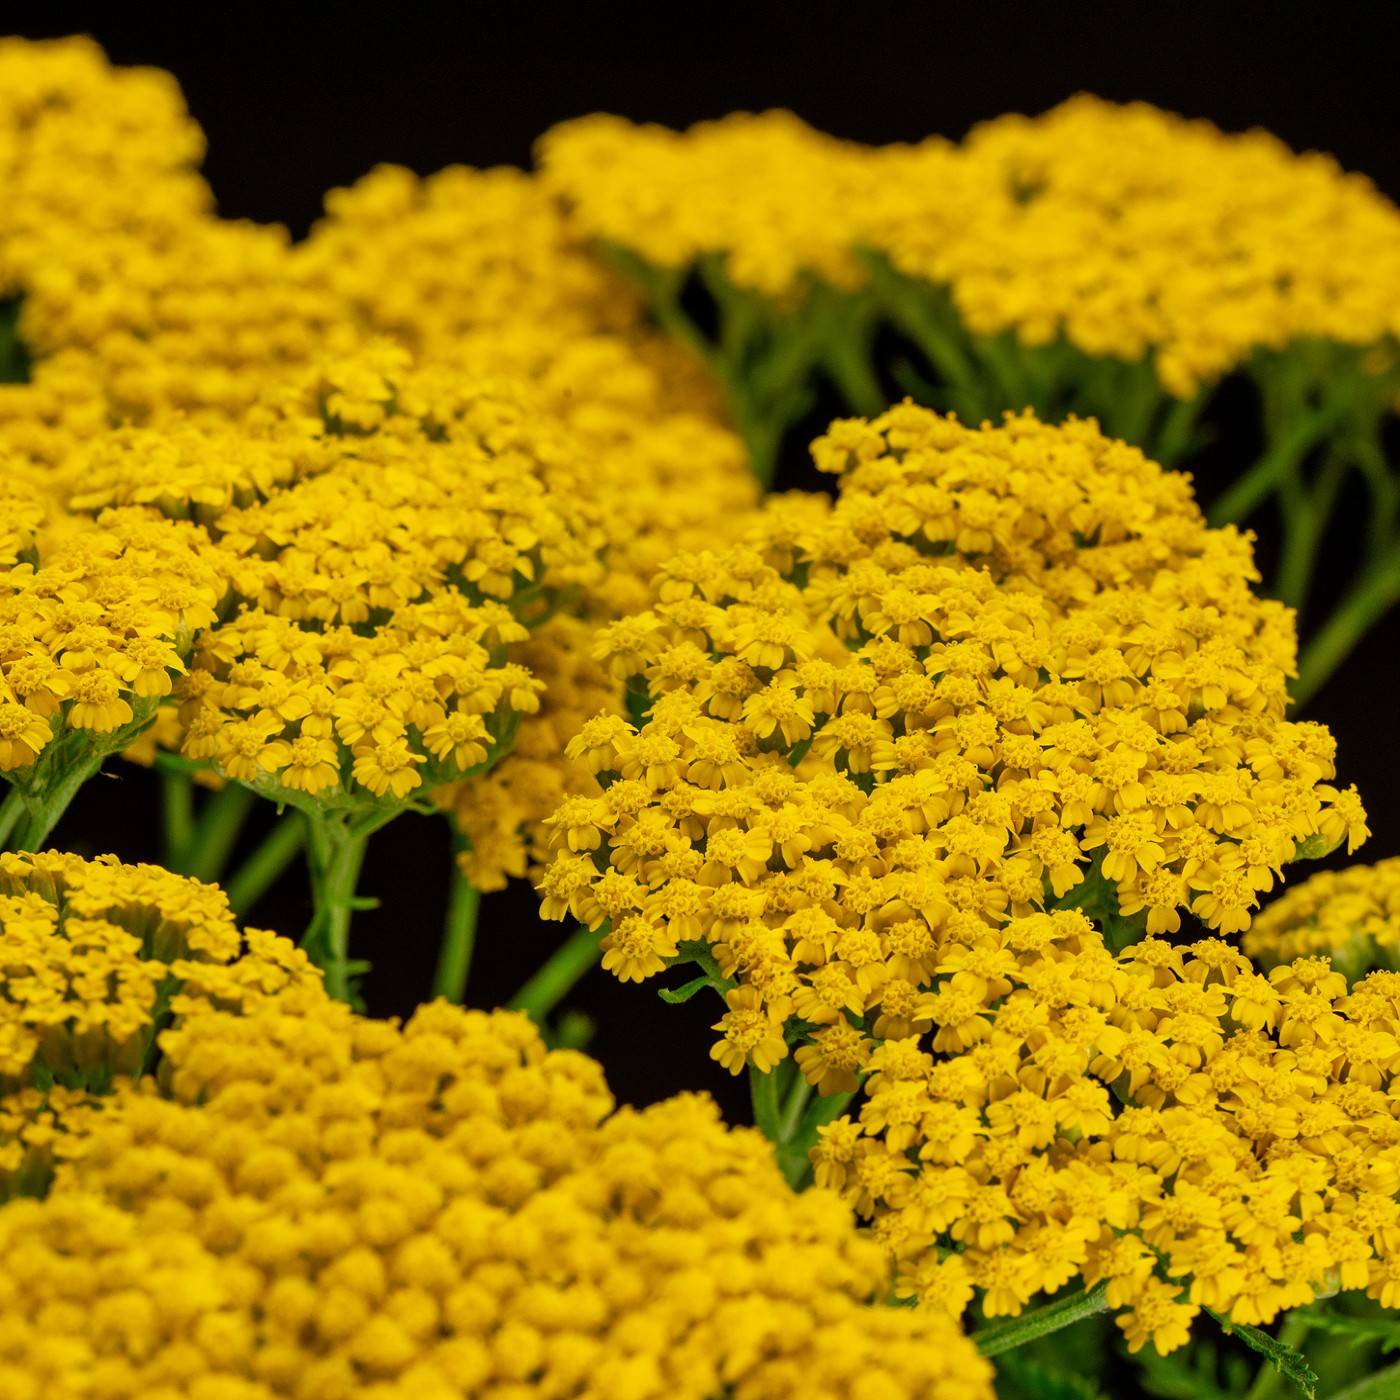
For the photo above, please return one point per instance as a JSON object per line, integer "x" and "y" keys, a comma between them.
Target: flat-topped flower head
{"x": 1130, "y": 230}
{"x": 439, "y": 1209}
{"x": 98, "y": 957}
{"x": 96, "y": 624}
{"x": 891, "y": 756}
{"x": 767, "y": 193}
{"x": 1010, "y": 669}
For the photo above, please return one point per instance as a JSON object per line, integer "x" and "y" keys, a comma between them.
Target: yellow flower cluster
{"x": 1125, "y": 229}
{"x": 334, "y": 714}
{"x": 478, "y": 272}
{"x": 136, "y": 299}
{"x": 89, "y": 948}
{"x": 768, "y": 193}
{"x": 329, "y": 1205}
{"x": 881, "y": 737}
{"x": 93, "y": 632}
{"x": 95, "y": 954}
{"x": 1351, "y": 915}
{"x": 432, "y": 262}
{"x": 1247, "y": 1159}
{"x": 500, "y": 813}
{"x": 25, "y": 507}
{"x": 88, "y": 154}
{"x": 1004, "y": 655}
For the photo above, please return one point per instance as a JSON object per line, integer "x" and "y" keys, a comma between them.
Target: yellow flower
{"x": 752, "y": 1032}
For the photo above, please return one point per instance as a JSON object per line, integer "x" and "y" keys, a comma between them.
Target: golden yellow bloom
{"x": 439, "y": 1208}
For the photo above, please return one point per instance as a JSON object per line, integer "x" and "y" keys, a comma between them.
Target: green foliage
{"x": 1021, "y": 1377}
{"x": 1289, "y": 1364}
{"x": 1197, "y": 1372}
{"x": 1069, "y": 1307}
{"x": 1383, "y": 1330}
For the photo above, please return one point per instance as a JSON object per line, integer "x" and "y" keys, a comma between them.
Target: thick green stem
{"x": 10, "y": 812}
{"x": 265, "y": 866}
{"x": 335, "y": 851}
{"x": 44, "y": 812}
{"x": 1305, "y": 518}
{"x": 1042, "y": 1321}
{"x": 1368, "y": 600}
{"x": 794, "y": 1108}
{"x": 216, "y": 832}
{"x": 767, "y": 1115}
{"x": 458, "y": 939}
{"x": 556, "y": 979}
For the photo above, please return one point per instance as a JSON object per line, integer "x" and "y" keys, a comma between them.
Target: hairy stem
{"x": 1042, "y": 1321}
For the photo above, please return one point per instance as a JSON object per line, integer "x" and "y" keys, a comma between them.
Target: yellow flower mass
{"x": 1124, "y": 228}
{"x": 310, "y": 1202}
{"x": 1009, "y": 672}
{"x": 960, "y": 788}
{"x": 1352, "y": 916}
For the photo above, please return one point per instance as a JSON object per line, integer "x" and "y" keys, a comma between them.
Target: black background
{"x": 299, "y": 100}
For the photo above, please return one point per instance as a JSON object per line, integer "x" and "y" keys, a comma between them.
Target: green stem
{"x": 767, "y": 1116}
{"x": 556, "y": 979}
{"x": 207, "y": 851}
{"x": 1368, "y": 600}
{"x": 1042, "y": 1321}
{"x": 335, "y": 851}
{"x": 1305, "y": 518}
{"x": 44, "y": 812}
{"x": 1173, "y": 439}
{"x": 277, "y": 850}
{"x": 10, "y": 812}
{"x": 458, "y": 939}
{"x": 1267, "y": 1380}
{"x": 1379, "y": 1385}
{"x": 1283, "y": 457}
{"x": 177, "y": 813}
{"x": 794, "y": 1109}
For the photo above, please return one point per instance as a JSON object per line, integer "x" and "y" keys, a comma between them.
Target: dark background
{"x": 293, "y": 106}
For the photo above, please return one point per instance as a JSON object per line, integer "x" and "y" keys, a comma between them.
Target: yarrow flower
{"x": 93, "y": 631}
{"x": 1125, "y": 229}
{"x": 438, "y": 1209}
{"x": 96, "y": 956}
{"x": 1009, "y": 672}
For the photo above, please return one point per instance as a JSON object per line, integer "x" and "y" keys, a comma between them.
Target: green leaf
{"x": 675, "y": 998}
{"x": 1290, "y": 1364}
{"x": 693, "y": 950}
